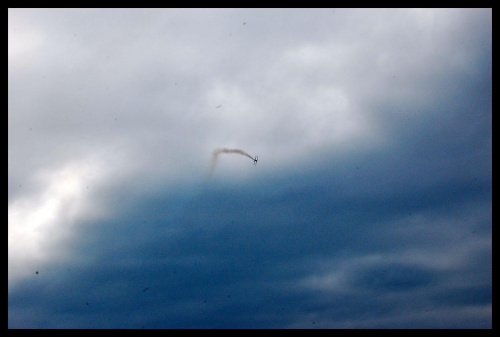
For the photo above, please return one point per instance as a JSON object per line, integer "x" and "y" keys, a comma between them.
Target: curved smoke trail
{"x": 218, "y": 152}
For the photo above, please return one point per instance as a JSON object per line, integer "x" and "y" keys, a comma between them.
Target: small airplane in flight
{"x": 255, "y": 160}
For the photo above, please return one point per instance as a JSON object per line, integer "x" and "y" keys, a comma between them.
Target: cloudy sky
{"x": 369, "y": 207}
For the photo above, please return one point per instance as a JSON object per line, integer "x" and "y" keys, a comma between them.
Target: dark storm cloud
{"x": 246, "y": 258}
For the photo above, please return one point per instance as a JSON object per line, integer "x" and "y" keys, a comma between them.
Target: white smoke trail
{"x": 218, "y": 152}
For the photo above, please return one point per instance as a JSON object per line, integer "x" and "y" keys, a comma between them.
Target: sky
{"x": 369, "y": 207}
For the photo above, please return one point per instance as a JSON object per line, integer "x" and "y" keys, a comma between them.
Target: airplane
{"x": 255, "y": 160}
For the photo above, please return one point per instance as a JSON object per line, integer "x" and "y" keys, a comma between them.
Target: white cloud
{"x": 41, "y": 223}
{"x": 25, "y": 41}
